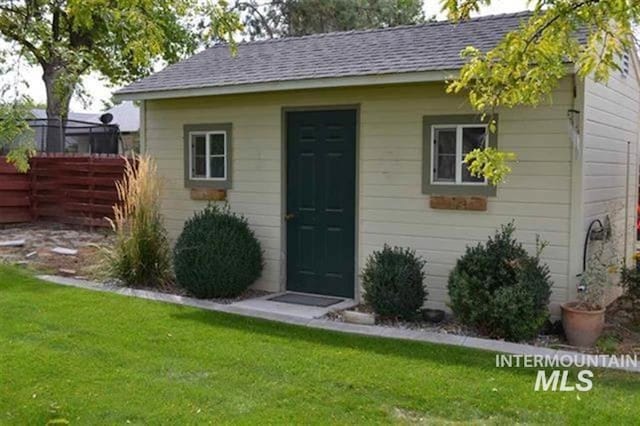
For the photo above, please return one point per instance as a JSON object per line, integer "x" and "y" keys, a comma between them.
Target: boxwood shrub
{"x": 393, "y": 282}
{"x": 501, "y": 290}
{"x": 217, "y": 254}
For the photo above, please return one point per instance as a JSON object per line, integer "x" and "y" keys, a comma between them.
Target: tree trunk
{"x": 59, "y": 84}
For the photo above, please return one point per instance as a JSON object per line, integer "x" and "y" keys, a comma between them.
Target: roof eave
{"x": 312, "y": 83}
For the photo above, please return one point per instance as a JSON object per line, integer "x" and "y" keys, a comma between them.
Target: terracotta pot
{"x": 582, "y": 328}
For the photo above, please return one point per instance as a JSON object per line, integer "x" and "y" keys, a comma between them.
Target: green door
{"x": 321, "y": 188}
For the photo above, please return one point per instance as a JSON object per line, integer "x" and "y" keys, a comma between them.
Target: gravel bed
{"x": 451, "y": 326}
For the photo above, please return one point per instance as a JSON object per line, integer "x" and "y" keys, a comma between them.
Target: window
{"x": 207, "y": 155}
{"x": 450, "y": 145}
{"x": 208, "y": 152}
{"x": 447, "y": 140}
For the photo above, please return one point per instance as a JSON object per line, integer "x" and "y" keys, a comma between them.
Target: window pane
{"x": 466, "y": 176}
{"x": 217, "y": 167}
{"x": 445, "y": 168}
{"x": 217, "y": 144}
{"x": 199, "y": 144}
{"x": 445, "y": 155}
{"x": 472, "y": 138}
{"x": 198, "y": 156}
{"x": 445, "y": 141}
{"x": 200, "y": 166}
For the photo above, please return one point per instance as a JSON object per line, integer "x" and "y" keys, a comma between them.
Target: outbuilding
{"x": 334, "y": 144}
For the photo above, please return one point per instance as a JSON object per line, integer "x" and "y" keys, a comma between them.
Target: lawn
{"x": 96, "y": 358}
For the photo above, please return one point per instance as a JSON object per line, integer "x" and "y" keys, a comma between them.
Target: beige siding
{"x": 391, "y": 207}
{"x": 611, "y": 120}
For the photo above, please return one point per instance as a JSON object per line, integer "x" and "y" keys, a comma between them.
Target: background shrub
{"x": 501, "y": 290}
{"x": 217, "y": 254}
{"x": 630, "y": 280}
{"x": 393, "y": 282}
{"x": 140, "y": 256}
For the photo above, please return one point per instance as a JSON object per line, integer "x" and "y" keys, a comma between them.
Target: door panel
{"x": 321, "y": 151}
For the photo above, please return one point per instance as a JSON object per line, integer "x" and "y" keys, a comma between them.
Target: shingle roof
{"x": 427, "y": 47}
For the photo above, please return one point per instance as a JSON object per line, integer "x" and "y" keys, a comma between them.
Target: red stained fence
{"x": 78, "y": 190}
{"x": 15, "y": 189}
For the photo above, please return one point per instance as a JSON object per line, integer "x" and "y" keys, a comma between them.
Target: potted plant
{"x": 583, "y": 319}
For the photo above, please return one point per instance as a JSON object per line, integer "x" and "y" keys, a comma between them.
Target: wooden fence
{"x": 15, "y": 189}
{"x": 70, "y": 189}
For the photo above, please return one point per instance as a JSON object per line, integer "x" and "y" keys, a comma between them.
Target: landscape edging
{"x": 325, "y": 324}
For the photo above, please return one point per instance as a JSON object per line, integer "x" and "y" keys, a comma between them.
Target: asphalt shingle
{"x": 428, "y": 47}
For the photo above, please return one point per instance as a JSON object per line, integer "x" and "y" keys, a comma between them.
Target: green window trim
{"x": 206, "y": 130}
{"x": 458, "y": 189}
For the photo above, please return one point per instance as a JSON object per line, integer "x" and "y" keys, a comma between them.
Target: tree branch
{"x": 25, "y": 43}
{"x": 255, "y": 9}
{"x": 551, "y": 21}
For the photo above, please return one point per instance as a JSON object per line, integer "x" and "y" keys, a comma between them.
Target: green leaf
{"x": 528, "y": 64}
{"x": 489, "y": 163}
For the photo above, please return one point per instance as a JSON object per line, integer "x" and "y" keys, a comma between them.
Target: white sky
{"x": 99, "y": 91}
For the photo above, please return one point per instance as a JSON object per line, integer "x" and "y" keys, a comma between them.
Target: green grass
{"x": 96, "y": 358}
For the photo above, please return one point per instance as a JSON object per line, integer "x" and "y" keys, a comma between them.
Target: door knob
{"x": 289, "y": 216}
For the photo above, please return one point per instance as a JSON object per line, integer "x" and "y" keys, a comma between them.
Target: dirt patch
{"x": 41, "y": 238}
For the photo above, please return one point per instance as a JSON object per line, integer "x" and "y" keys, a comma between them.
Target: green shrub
{"x": 217, "y": 255}
{"x": 393, "y": 282}
{"x": 630, "y": 281}
{"x": 140, "y": 256}
{"x": 500, "y": 289}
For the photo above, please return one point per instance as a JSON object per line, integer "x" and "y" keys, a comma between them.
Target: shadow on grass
{"x": 428, "y": 352}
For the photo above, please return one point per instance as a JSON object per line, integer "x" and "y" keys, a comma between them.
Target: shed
{"x": 335, "y": 144}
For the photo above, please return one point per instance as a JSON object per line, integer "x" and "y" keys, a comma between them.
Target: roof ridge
{"x": 380, "y": 29}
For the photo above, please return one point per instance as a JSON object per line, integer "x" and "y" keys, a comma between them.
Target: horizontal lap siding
{"x": 611, "y": 120}
{"x": 392, "y": 208}
{"x": 255, "y": 168}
